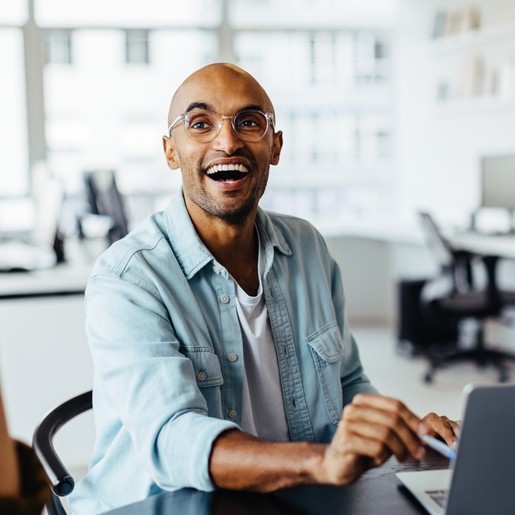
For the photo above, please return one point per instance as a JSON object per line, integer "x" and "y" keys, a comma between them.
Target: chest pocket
{"x": 208, "y": 375}
{"x": 206, "y": 367}
{"x": 326, "y": 347}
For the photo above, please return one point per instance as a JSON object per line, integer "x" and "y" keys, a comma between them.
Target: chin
{"x": 237, "y": 215}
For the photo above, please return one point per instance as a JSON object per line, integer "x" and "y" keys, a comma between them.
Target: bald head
{"x": 215, "y": 85}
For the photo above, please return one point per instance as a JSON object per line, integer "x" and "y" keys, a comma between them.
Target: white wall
{"x": 371, "y": 269}
{"x": 45, "y": 360}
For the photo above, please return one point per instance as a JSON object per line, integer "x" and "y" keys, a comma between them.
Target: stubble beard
{"x": 233, "y": 215}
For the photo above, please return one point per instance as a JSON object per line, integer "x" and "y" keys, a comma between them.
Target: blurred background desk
{"x": 377, "y": 492}
{"x": 501, "y": 246}
{"x": 44, "y": 355}
{"x": 63, "y": 279}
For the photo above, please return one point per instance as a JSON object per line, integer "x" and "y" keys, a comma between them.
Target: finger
{"x": 389, "y": 404}
{"x": 385, "y": 427}
{"x": 372, "y": 453}
{"x": 383, "y": 440}
{"x": 442, "y": 426}
{"x": 395, "y": 415}
{"x": 351, "y": 439}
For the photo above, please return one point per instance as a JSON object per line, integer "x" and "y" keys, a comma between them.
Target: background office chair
{"x": 105, "y": 199}
{"x": 61, "y": 481}
{"x": 454, "y": 295}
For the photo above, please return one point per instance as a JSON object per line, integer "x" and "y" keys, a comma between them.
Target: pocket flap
{"x": 327, "y": 342}
{"x": 206, "y": 365}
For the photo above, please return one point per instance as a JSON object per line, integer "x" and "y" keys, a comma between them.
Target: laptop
{"x": 480, "y": 479}
{"x": 36, "y": 252}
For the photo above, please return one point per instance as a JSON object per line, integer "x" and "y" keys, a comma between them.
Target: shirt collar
{"x": 191, "y": 252}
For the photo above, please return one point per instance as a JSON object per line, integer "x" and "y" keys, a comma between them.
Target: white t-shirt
{"x": 263, "y": 412}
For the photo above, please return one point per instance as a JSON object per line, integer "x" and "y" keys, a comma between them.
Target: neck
{"x": 235, "y": 246}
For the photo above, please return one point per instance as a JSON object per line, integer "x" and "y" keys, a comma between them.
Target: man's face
{"x": 226, "y": 177}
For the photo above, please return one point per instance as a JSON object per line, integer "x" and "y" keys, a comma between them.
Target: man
{"x": 221, "y": 351}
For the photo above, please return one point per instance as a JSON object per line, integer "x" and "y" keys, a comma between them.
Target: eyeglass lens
{"x": 204, "y": 126}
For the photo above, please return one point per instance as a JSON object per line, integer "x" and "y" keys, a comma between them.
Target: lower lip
{"x": 230, "y": 185}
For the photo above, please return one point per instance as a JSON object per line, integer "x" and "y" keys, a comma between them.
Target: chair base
{"x": 481, "y": 356}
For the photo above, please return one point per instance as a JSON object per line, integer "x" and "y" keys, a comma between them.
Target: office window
{"x": 128, "y": 14}
{"x": 137, "y": 47}
{"x": 102, "y": 114}
{"x": 371, "y": 58}
{"x": 332, "y": 94}
{"x": 107, "y": 82}
{"x": 305, "y": 13}
{"x": 13, "y": 124}
{"x": 58, "y": 47}
{"x": 13, "y": 13}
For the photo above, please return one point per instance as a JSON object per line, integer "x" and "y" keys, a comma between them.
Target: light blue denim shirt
{"x": 168, "y": 352}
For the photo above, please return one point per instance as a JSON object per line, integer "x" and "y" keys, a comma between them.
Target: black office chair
{"x": 105, "y": 199}
{"x": 61, "y": 481}
{"x": 453, "y": 295}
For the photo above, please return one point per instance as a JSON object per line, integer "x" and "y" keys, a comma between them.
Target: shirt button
{"x": 232, "y": 357}
{"x": 201, "y": 375}
{"x": 224, "y": 299}
{"x": 216, "y": 269}
{"x": 233, "y": 413}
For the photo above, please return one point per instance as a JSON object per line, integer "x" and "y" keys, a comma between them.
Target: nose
{"x": 227, "y": 139}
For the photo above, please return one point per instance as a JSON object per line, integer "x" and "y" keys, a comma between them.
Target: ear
{"x": 170, "y": 153}
{"x": 277, "y": 145}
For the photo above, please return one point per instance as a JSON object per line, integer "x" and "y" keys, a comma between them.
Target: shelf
{"x": 473, "y": 39}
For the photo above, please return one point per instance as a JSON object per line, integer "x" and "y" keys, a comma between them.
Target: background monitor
{"x": 498, "y": 182}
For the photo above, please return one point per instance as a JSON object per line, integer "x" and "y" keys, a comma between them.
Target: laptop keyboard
{"x": 438, "y": 496}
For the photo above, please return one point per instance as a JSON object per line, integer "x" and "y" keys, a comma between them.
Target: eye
{"x": 250, "y": 121}
{"x": 200, "y": 122}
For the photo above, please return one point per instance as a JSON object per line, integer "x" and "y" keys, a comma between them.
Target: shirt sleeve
{"x": 145, "y": 386}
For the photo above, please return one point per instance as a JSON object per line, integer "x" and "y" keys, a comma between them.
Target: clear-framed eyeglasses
{"x": 203, "y": 126}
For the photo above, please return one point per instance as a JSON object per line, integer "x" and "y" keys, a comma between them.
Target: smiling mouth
{"x": 227, "y": 172}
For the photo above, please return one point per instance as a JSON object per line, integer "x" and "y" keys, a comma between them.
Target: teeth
{"x": 227, "y": 168}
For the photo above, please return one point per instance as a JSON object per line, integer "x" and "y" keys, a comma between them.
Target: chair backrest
{"x": 455, "y": 266}
{"x": 105, "y": 199}
{"x": 61, "y": 481}
{"x": 437, "y": 244}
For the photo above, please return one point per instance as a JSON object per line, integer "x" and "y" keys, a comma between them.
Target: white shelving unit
{"x": 475, "y": 71}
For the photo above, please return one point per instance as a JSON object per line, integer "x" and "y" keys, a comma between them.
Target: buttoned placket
{"x": 231, "y": 345}
{"x": 295, "y": 405}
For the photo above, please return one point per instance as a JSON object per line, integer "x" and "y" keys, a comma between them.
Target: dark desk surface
{"x": 378, "y": 491}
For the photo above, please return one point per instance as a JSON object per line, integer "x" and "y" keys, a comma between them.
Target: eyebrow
{"x": 252, "y": 107}
{"x": 199, "y": 105}
{"x": 206, "y": 107}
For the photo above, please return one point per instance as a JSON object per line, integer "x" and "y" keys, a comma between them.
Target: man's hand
{"x": 373, "y": 428}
